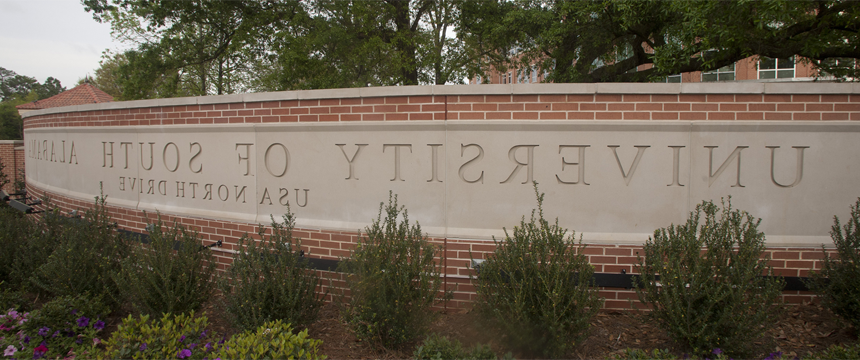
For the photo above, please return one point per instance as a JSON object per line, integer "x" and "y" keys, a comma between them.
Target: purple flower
{"x": 184, "y": 354}
{"x": 208, "y": 346}
{"x": 74, "y": 311}
{"x": 44, "y": 331}
{"x": 192, "y": 346}
{"x": 56, "y": 333}
{"x": 142, "y": 347}
{"x": 717, "y": 351}
{"x": 182, "y": 338}
{"x": 40, "y": 351}
{"x": 99, "y": 325}
{"x": 26, "y": 339}
{"x": 83, "y": 321}
{"x": 202, "y": 334}
{"x": 11, "y": 350}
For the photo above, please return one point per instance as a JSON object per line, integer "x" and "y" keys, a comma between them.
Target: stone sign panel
{"x": 613, "y": 182}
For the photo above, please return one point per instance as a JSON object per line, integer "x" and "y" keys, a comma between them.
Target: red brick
{"x": 733, "y": 107}
{"x": 815, "y": 255}
{"x": 777, "y": 98}
{"x": 665, "y": 98}
{"x": 540, "y": 106}
{"x": 525, "y": 115}
{"x": 468, "y": 115}
{"x": 408, "y": 108}
{"x": 799, "y": 264}
{"x": 747, "y": 98}
{"x": 609, "y": 97}
{"x": 834, "y": 116}
{"x": 621, "y": 107}
{"x": 397, "y": 100}
{"x": 705, "y": 107}
{"x": 762, "y": 107}
{"x": 320, "y": 110}
{"x": 498, "y": 98}
{"x": 565, "y": 106}
{"x": 349, "y": 101}
{"x": 498, "y": 115}
{"x": 432, "y": 107}
{"x": 844, "y": 107}
{"x": 421, "y": 116}
{"x": 580, "y": 98}
{"x": 650, "y": 106}
{"x": 777, "y": 116}
{"x": 636, "y": 98}
{"x": 308, "y": 118}
{"x": 805, "y": 98}
{"x": 469, "y": 99}
{"x": 578, "y": 115}
{"x": 510, "y": 107}
{"x": 593, "y": 106}
{"x": 329, "y": 117}
{"x": 525, "y": 98}
{"x": 616, "y": 269}
{"x": 607, "y": 115}
{"x": 664, "y": 116}
{"x": 721, "y": 116}
{"x": 776, "y": 255}
{"x": 396, "y": 117}
{"x": 553, "y": 98}
{"x": 807, "y": 116}
{"x": 720, "y": 98}
{"x": 628, "y": 115}
{"x": 309, "y": 103}
{"x": 373, "y": 100}
{"x": 613, "y": 251}
{"x": 385, "y": 108}
{"x": 676, "y": 107}
{"x": 750, "y": 116}
{"x": 420, "y": 99}
{"x": 834, "y": 98}
{"x": 790, "y": 107}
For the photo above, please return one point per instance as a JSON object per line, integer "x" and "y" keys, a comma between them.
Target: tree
{"x": 13, "y": 85}
{"x": 598, "y": 41}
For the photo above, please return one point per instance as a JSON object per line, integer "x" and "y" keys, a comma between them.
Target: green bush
{"x": 63, "y": 312}
{"x": 272, "y": 340}
{"x": 88, "y": 251}
{"x": 15, "y": 229}
{"x": 437, "y": 347}
{"x": 171, "y": 274}
{"x": 838, "y": 282}
{"x": 838, "y": 352}
{"x": 536, "y": 287}
{"x": 181, "y": 336}
{"x": 10, "y": 299}
{"x": 710, "y": 292}
{"x": 639, "y": 354}
{"x": 393, "y": 280}
{"x": 271, "y": 281}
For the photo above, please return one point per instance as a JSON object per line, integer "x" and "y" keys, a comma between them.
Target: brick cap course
{"x": 799, "y": 88}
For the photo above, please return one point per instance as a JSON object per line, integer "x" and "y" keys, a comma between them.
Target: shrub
{"x": 536, "y": 287}
{"x": 15, "y": 231}
{"x": 393, "y": 280}
{"x": 171, "y": 274}
{"x": 271, "y": 280}
{"x": 172, "y": 336}
{"x": 704, "y": 281}
{"x": 437, "y": 347}
{"x": 838, "y": 282}
{"x": 272, "y": 340}
{"x": 62, "y": 313}
{"x": 87, "y": 252}
{"x": 838, "y": 352}
{"x": 10, "y": 299}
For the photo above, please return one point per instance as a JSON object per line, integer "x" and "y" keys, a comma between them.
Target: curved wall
{"x": 617, "y": 161}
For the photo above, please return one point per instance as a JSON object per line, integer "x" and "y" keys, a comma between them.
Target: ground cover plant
{"x": 838, "y": 282}
{"x": 52, "y": 339}
{"x": 393, "y": 280}
{"x": 437, "y": 347}
{"x": 703, "y": 280}
{"x": 270, "y": 280}
{"x": 537, "y": 286}
{"x": 173, "y": 273}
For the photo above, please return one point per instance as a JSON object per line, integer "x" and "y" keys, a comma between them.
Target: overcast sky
{"x": 42, "y": 38}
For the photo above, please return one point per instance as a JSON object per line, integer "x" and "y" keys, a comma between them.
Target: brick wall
{"x": 670, "y": 102}
{"x": 12, "y": 156}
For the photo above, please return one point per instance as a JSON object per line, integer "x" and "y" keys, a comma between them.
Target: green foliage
{"x": 838, "y": 352}
{"x": 838, "y": 282}
{"x": 11, "y": 124}
{"x": 165, "y": 338}
{"x": 15, "y": 229}
{"x": 10, "y": 299}
{"x": 536, "y": 287}
{"x": 393, "y": 280}
{"x": 87, "y": 252}
{"x": 171, "y": 274}
{"x": 78, "y": 338}
{"x": 272, "y": 340}
{"x": 639, "y": 354}
{"x": 437, "y": 347}
{"x": 710, "y": 292}
{"x": 270, "y": 280}
{"x": 63, "y": 312}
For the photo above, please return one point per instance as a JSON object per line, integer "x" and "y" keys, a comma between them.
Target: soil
{"x": 801, "y": 330}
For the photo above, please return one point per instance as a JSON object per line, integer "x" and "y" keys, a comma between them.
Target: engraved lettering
{"x": 73, "y": 154}
{"x": 247, "y": 162}
{"x": 133, "y": 181}
{"x": 462, "y": 171}
{"x": 798, "y": 175}
{"x": 396, "y": 158}
{"x": 226, "y": 192}
{"x": 63, "y": 152}
{"x": 44, "y": 150}
{"x": 53, "y": 154}
{"x": 628, "y": 175}
{"x": 151, "y": 187}
{"x": 351, "y": 161}
{"x": 180, "y": 189}
{"x": 124, "y": 145}
{"x": 122, "y": 183}
{"x": 194, "y": 157}
{"x": 286, "y": 160}
{"x": 164, "y": 157}
{"x": 676, "y": 165}
{"x": 162, "y": 187}
{"x": 208, "y": 189}
{"x": 512, "y": 154}
{"x": 238, "y": 192}
{"x": 266, "y": 196}
{"x": 283, "y": 199}
{"x": 434, "y": 172}
{"x": 580, "y": 163}
{"x": 306, "y": 197}
{"x": 736, "y": 153}
{"x": 150, "y": 156}
{"x": 193, "y": 189}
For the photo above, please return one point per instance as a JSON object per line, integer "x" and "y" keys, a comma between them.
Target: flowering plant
{"x": 75, "y": 340}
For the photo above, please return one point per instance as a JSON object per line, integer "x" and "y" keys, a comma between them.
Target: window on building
{"x": 534, "y": 74}
{"x": 775, "y": 68}
{"x": 673, "y": 79}
{"x": 725, "y": 73}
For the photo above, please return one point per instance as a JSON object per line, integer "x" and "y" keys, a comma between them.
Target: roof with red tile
{"x": 82, "y": 94}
